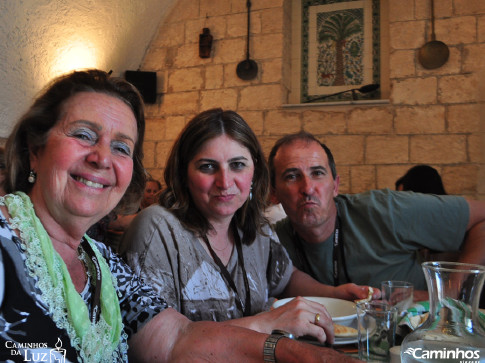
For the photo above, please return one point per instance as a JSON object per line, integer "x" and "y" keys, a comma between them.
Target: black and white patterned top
{"x": 26, "y": 327}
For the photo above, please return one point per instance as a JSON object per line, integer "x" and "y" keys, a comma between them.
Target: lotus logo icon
{"x": 410, "y": 351}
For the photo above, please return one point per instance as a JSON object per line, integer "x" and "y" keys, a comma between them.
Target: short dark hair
{"x": 291, "y": 138}
{"x": 422, "y": 179}
{"x": 176, "y": 196}
{"x": 32, "y": 130}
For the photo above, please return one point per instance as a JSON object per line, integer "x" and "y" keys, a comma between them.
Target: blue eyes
{"x": 91, "y": 138}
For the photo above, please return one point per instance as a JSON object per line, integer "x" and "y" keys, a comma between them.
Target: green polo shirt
{"x": 382, "y": 232}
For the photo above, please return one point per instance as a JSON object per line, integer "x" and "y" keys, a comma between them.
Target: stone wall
{"x": 433, "y": 116}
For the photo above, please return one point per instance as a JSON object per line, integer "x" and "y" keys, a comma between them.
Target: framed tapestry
{"x": 340, "y": 50}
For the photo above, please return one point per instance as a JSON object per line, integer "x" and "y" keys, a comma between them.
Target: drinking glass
{"x": 398, "y": 294}
{"x": 376, "y": 330}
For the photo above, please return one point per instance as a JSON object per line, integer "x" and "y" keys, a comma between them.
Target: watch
{"x": 270, "y": 344}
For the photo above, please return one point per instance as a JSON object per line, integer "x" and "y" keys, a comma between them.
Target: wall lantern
{"x": 205, "y": 43}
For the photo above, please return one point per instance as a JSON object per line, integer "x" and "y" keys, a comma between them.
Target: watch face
{"x": 284, "y": 333}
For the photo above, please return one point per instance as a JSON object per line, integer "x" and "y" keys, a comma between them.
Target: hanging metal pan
{"x": 434, "y": 53}
{"x": 247, "y": 69}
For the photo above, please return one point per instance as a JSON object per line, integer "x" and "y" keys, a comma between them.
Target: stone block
{"x": 154, "y": 129}
{"x": 272, "y": 21}
{"x": 224, "y": 98}
{"x": 414, "y": 91}
{"x": 255, "y": 120}
{"x": 183, "y": 10}
{"x": 186, "y": 79}
{"x": 474, "y": 57}
{"x": 266, "y": 4}
{"x": 169, "y": 35}
{"x": 460, "y": 179}
{"x": 362, "y": 178}
{"x": 267, "y": 46}
{"x": 406, "y": 34}
{"x": 476, "y": 148}
{"x": 420, "y": 120}
{"x": 271, "y": 70}
{"x": 325, "y": 122}
{"x": 442, "y": 9}
{"x": 387, "y": 175}
{"x": 463, "y": 118}
{"x": 162, "y": 151}
{"x": 281, "y": 122}
{"x": 149, "y": 154}
{"x": 267, "y": 143}
{"x": 346, "y": 149}
{"x": 457, "y": 30}
{"x": 209, "y": 8}
{"x": 188, "y": 56}
{"x": 386, "y": 149}
{"x": 260, "y": 97}
{"x": 373, "y": 120}
{"x": 155, "y": 59}
{"x": 174, "y": 125}
{"x": 180, "y": 103}
{"x": 438, "y": 149}
{"x": 230, "y": 51}
{"x": 237, "y": 25}
{"x": 481, "y": 29}
{"x": 469, "y": 7}
{"x": 214, "y": 76}
{"x": 401, "y": 10}
{"x": 402, "y": 63}
{"x": 458, "y": 89}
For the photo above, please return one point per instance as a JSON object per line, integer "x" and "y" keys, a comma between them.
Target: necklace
{"x": 97, "y": 339}
{"x": 220, "y": 249}
{"x": 246, "y": 308}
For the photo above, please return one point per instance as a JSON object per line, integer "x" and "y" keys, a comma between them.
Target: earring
{"x": 251, "y": 192}
{"x": 31, "y": 177}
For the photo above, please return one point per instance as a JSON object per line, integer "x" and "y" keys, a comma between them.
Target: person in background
{"x": 118, "y": 223}
{"x": 152, "y": 189}
{"x": 369, "y": 237}
{"x": 73, "y": 157}
{"x": 207, "y": 247}
{"x": 421, "y": 179}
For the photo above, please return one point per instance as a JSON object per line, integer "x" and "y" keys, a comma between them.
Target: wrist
{"x": 269, "y": 349}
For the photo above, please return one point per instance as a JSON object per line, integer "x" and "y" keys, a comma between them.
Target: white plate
{"x": 342, "y": 311}
{"x": 338, "y": 341}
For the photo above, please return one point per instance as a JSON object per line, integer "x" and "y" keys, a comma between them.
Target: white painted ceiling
{"x": 37, "y": 37}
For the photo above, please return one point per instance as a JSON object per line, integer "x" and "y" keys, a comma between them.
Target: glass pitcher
{"x": 453, "y": 331}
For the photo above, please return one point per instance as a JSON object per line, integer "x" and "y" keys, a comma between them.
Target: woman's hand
{"x": 355, "y": 292}
{"x": 299, "y": 316}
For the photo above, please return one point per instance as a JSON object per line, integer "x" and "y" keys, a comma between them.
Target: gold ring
{"x": 317, "y": 318}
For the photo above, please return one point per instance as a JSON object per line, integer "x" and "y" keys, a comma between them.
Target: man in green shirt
{"x": 369, "y": 237}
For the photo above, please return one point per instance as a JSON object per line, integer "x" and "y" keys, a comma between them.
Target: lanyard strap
{"x": 337, "y": 254}
{"x": 96, "y": 309}
{"x": 246, "y": 309}
{"x": 338, "y": 251}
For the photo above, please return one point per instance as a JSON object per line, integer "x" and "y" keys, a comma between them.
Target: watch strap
{"x": 270, "y": 344}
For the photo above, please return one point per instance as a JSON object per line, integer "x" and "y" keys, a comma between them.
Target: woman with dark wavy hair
{"x": 209, "y": 250}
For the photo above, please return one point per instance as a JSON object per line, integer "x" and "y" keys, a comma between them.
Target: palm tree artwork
{"x": 340, "y": 47}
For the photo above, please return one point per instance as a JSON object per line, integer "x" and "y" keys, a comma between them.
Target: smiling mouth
{"x": 89, "y": 183}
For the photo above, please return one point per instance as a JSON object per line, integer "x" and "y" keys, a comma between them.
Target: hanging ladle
{"x": 434, "y": 53}
{"x": 247, "y": 69}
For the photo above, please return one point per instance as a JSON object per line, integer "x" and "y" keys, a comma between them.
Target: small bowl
{"x": 342, "y": 311}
